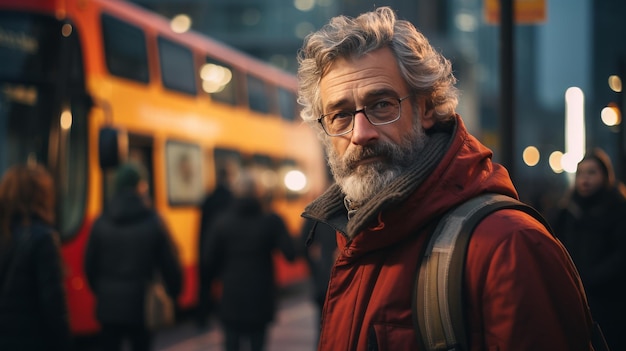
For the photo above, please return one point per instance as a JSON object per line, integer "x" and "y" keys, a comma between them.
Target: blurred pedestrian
{"x": 214, "y": 203}
{"x": 33, "y": 308}
{"x": 591, "y": 223}
{"x": 384, "y": 102}
{"x": 239, "y": 252}
{"x": 320, "y": 244}
{"x": 128, "y": 245}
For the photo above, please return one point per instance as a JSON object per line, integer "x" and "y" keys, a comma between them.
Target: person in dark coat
{"x": 129, "y": 243}
{"x": 33, "y": 307}
{"x": 212, "y": 205}
{"x": 591, "y": 223}
{"x": 239, "y": 251}
{"x": 320, "y": 253}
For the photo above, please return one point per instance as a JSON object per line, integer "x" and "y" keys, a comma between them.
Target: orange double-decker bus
{"x": 87, "y": 84}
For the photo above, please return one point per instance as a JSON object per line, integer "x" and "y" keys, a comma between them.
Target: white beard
{"x": 360, "y": 183}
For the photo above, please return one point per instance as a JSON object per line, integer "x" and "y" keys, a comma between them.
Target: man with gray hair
{"x": 384, "y": 101}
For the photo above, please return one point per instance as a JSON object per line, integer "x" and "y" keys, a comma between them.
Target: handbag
{"x": 159, "y": 307}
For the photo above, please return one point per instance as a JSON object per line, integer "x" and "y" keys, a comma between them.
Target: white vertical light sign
{"x": 574, "y": 129}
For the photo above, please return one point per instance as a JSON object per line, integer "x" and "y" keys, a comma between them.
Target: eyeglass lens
{"x": 381, "y": 112}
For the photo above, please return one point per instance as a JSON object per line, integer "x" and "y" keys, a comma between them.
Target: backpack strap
{"x": 438, "y": 312}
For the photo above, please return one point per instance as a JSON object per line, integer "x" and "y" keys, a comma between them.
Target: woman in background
{"x": 33, "y": 310}
{"x": 591, "y": 223}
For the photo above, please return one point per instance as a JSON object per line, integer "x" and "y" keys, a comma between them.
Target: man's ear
{"x": 428, "y": 117}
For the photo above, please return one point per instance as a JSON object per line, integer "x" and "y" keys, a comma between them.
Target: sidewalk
{"x": 295, "y": 328}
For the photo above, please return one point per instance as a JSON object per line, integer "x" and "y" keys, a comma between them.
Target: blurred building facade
{"x": 580, "y": 44}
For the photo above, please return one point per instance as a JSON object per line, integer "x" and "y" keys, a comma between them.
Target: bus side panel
{"x": 81, "y": 302}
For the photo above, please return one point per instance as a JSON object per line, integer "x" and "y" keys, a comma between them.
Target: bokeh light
{"x": 531, "y": 156}
{"x": 555, "y": 161}
{"x": 615, "y": 83}
{"x": 180, "y": 23}
{"x": 611, "y": 116}
{"x": 295, "y": 180}
{"x": 304, "y": 5}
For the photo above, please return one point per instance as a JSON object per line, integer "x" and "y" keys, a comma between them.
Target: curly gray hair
{"x": 426, "y": 72}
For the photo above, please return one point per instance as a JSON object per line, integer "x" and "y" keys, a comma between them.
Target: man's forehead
{"x": 357, "y": 78}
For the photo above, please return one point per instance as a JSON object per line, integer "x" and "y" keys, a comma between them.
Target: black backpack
{"x": 438, "y": 312}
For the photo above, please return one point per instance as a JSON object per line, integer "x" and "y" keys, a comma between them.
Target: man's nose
{"x": 363, "y": 132}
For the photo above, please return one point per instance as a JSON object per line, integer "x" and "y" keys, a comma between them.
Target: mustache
{"x": 360, "y": 153}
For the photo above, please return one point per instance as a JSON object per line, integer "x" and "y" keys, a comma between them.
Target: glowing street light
{"x": 574, "y": 127}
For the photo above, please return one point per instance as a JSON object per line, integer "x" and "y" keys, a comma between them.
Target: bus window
{"x": 177, "y": 67}
{"x": 73, "y": 145}
{"x": 73, "y": 170}
{"x": 287, "y": 104}
{"x": 183, "y": 162}
{"x": 257, "y": 95}
{"x": 43, "y": 107}
{"x": 125, "y": 49}
{"x": 218, "y": 79}
{"x": 28, "y": 86}
{"x": 28, "y": 47}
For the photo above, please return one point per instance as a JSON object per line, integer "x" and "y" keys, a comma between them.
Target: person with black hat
{"x": 128, "y": 244}
{"x": 591, "y": 223}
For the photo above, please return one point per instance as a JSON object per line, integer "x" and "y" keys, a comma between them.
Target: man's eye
{"x": 341, "y": 116}
{"x": 382, "y": 104}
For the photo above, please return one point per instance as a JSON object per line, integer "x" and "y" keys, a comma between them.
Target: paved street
{"x": 294, "y": 329}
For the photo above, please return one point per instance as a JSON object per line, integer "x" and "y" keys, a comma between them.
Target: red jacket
{"x": 522, "y": 291}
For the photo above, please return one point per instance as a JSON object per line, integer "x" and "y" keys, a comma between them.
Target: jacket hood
{"x": 463, "y": 170}
{"x": 127, "y": 206}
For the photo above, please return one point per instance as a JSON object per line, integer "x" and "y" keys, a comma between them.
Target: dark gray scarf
{"x": 331, "y": 203}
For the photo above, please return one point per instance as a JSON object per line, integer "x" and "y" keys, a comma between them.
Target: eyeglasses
{"x": 379, "y": 113}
